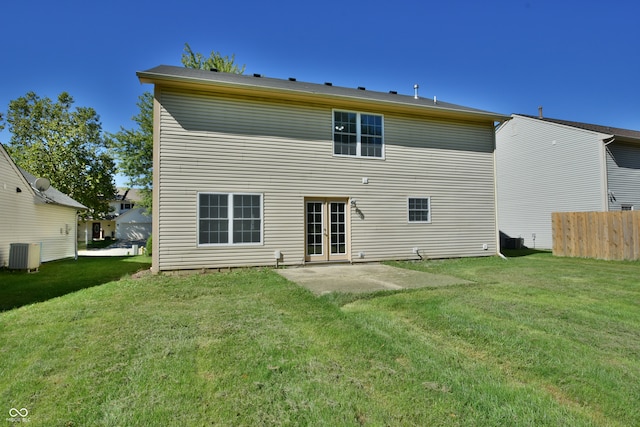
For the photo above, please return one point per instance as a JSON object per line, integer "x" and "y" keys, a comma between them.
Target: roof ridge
{"x": 621, "y": 132}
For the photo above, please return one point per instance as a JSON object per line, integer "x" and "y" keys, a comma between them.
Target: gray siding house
{"x": 252, "y": 171}
{"x": 27, "y": 215}
{"x": 548, "y": 165}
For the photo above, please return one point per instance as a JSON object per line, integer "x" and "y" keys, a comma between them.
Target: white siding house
{"x": 250, "y": 170}
{"x": 134, "y": 224}
{"x": 121, "y": 222}
{"x": 31, "y": 216}
{"x": 548, "y": 165}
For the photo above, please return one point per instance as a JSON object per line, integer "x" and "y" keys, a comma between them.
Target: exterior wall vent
{"x": 24, "y": 256}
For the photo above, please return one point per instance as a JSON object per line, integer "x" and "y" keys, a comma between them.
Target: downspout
{"x": 495, "y": 194}
{"x": 75, "y": 238}
{"x": 605, "y": 172}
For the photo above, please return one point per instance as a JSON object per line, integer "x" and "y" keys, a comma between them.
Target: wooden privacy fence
{"x": 602, "y": 235}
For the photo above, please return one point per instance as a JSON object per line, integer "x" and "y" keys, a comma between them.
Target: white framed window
{"x": 229, "y": 218}
{"x": 419, "y": 209}
{"x": 358, "y": 134}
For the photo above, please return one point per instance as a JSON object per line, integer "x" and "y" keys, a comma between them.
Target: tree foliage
{"x": 215, "y": 60}
{"x": 133, "y": 148}
{"x": 50, "y": 139}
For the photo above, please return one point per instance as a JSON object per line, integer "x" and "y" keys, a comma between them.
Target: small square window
{"x": 419, "y": 209}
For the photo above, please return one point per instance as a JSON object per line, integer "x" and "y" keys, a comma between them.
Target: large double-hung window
{"x": 227, "y": 218}
{"x": 357, "y": 134}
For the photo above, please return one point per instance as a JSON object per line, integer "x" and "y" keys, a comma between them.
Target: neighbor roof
{"x": 52, "y": 195}
{"x": 166, "y": 74}
{"x": 616, "y": 132}
{"x": 127, "y": 193}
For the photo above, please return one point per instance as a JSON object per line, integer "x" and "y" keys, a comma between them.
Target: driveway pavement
{"x": 120, "y": 248}
{"x": 358, "y": 278}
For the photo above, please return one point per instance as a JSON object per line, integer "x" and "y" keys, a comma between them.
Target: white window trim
{"x": 428, "y": 221}
{"x": 358, "y": 134}
{"x": 230, "y": 212}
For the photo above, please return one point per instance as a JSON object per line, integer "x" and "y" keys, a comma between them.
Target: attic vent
{"x": 328, "y": 84}
{"x": 213, "y": 69}
{"x": 362, "y": 88}
{"x": 393, "y": 92}
{"x": 292, "y": 79}
{"x": 257, "y": 75}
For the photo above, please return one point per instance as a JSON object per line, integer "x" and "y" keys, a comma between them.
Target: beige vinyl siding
{"x": 25, "y": 219}
{"x": 284, "y": 152}
{"x": 542, "y": 168}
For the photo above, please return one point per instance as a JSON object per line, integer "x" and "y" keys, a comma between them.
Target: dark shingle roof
{"x": 52, "y": 195}
{"x": 181, "y": 74}
{"x": 617, "y": 132}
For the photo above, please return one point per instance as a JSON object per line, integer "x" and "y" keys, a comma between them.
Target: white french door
{"x": 326, "y": 236}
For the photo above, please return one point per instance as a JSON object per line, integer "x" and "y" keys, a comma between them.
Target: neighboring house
{"x": 134, "y": 224}
{"x": 548, "y": 165}
{"x": 251, "y": 171}
{"x": 28, "y": 215}
{"x": 124, "y": 221}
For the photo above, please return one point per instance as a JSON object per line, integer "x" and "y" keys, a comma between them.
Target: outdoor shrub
{"x": 149, "y": 246}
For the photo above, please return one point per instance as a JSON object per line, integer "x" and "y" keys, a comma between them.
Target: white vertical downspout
{"x": 605, "y": 173}
{"x": 495, "y": 192}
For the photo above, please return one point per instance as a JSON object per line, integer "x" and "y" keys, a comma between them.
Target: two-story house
{"x": 125, "y": 220}
{"x": 547, "y": 165}
{"x": 250, "y": 170}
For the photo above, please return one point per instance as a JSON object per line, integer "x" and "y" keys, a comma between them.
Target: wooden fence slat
{"x": 603, "y": 235}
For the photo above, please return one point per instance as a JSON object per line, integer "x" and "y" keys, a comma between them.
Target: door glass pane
{"x": 338, "y": 228}
{"x": 314, "y": 228}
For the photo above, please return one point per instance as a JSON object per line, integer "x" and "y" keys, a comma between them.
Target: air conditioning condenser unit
{"x": 24, "y": 256}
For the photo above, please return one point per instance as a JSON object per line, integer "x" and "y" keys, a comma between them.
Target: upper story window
{"x": 357, "y": 134}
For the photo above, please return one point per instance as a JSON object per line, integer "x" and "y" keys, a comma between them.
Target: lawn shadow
{"x": 515, "y": 253}
{"x": 58, "y": 278}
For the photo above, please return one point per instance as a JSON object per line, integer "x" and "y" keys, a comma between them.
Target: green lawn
{"x": 57, "y": 278}
{"x": 534, "y": 341}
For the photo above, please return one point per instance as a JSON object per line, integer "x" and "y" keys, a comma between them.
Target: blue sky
{"x": 578, "y": 59}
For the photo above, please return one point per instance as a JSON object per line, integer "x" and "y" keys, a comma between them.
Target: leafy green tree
{"x": 215, "y": 60}
{"x": 133, "y": 148}
{"x": 52, "y": 140}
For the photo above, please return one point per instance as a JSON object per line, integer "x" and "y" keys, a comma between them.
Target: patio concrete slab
{"x": 359, "y": 278}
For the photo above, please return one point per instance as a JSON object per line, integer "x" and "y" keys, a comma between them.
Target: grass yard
{"x": 534, "y": 341}
{"x": 57, "y": 278}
